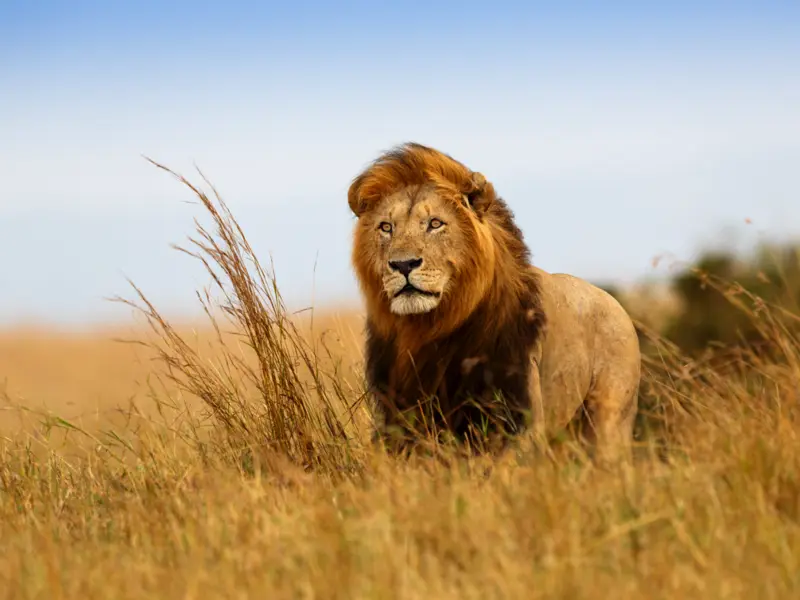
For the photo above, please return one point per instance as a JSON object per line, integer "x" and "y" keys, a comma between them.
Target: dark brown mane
{"x": 465, "y": 369}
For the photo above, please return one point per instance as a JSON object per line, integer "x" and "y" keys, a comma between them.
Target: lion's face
{"x": 417, "y": 245}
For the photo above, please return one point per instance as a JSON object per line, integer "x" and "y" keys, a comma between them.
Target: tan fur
{"x": 588, "y": 363}
{"x": 475, "y": 281}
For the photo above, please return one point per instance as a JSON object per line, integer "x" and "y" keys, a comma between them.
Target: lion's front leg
{"x": 394, "y": 440}
{"x": 398, "y": 431}
{"x": 538, "y": 424}
{"x": 387, "y": 430}
{"x": 508, "y": 403}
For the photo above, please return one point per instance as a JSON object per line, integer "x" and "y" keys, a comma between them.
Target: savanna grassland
{"x": 228, "y": 458}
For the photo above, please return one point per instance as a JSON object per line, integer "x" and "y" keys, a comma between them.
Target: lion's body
{"x": 589, "y": 360}
{"x": 460, "y": 323}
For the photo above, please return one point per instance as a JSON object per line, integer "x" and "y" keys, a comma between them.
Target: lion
{"x": 458, "y": 318}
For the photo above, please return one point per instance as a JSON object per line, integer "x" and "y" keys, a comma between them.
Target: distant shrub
{"x": 721, "y": 294}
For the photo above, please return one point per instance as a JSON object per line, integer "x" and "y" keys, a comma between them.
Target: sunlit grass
{"x": 241, "y": 468}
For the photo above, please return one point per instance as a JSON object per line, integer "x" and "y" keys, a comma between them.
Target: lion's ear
{"x": 357, "y": 205}
{"x": 480, "y": 193}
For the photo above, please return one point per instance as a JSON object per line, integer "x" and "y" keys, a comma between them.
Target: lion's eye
{"x": 385, "y": 227}
{"x": 435, "y": 223}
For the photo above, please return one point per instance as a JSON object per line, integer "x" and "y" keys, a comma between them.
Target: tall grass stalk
{"x": 267, "y": 388}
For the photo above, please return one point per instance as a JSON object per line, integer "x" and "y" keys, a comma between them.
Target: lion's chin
{"x": 414, "y": 303}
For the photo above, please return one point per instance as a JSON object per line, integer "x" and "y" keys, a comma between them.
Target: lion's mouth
{"x": 408, "y": 290}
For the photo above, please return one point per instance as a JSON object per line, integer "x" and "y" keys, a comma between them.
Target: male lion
{"x": 459, "y": 319}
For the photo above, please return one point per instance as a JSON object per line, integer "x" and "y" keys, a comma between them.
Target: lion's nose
{"x": 405, "y": 266}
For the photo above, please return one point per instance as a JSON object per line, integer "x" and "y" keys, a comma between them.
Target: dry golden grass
{"x": 239, "y": 469}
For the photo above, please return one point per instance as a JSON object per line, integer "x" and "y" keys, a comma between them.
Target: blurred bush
{"x": 726, "y": 316}
{"x": 722, "y": 314}
{"x": 717, "y": 302}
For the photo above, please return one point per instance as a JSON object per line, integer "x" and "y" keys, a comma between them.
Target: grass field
{"x": 232, "y": 464}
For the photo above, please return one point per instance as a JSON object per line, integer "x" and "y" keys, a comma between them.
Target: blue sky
{"x": 617, "y": 131}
